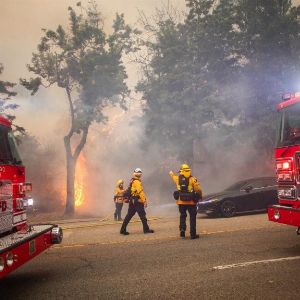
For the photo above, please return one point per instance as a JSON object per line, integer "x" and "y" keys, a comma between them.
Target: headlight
{"x": 30, "y": 201}
{"x": 276, "y": 215}
{"x": 9, "y": 259}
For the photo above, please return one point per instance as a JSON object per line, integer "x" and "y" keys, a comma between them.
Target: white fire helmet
{"x": 137, "y": 172}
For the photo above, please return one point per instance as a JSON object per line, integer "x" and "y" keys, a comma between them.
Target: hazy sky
{"x": 20, "y": 31}
{"x": 21, "y": 22}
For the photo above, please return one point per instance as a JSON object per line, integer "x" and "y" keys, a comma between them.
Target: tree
{"x": 6, "y": 93}
{"x": 87, "y": 64}
{"x": 218, "y": 74}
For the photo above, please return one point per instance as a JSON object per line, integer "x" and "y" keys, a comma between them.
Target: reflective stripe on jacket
{"x": 119, "y": 195}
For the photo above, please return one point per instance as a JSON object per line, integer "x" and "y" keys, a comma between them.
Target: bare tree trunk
{"x": 71, "y": 167}
{"x": 71, "y": 158}
{"x": 71, "y": 164}
{"x": 70, "y": 200}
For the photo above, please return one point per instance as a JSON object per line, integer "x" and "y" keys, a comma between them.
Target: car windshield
{"x": 236, "y": 186}
{"x": 288, "y": 126}
{"x": 8, "y": 149}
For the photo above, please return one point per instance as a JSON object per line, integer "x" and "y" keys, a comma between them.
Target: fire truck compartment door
{"x": 6, "y": 206}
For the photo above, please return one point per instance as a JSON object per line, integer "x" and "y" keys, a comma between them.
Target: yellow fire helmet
{"x": 185, "y": 170}
{"x": 119, "y": 182}
{"x": 185, "y": 167}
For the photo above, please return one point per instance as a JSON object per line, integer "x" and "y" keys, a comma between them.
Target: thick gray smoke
{"x": 114, "y": 150}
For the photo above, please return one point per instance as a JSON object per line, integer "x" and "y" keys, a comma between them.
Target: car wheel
{"x": 228, "y": 209}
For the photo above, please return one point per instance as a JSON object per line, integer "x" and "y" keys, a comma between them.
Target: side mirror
{"x": 248, "y": 188}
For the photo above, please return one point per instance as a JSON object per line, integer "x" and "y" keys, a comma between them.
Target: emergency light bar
{"x": 289, "y": 96}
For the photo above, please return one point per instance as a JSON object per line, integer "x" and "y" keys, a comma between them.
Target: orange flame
{"x": 79, "y": 181}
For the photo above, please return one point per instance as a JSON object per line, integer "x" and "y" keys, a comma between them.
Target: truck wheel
{"x": 228, "y": 209}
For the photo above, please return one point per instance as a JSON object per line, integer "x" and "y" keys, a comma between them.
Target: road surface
{"x": 245, "y": 257}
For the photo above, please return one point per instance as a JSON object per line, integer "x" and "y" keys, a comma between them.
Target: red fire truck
{"x": 19, "y": 242}
{"x": 287, "y": 156}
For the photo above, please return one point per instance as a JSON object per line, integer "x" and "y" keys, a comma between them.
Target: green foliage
{"x": 220, "y": 72}
{"x": 6, "y": 93}
{"x": 85, "y": 62}
{"x": 5, "y": 87}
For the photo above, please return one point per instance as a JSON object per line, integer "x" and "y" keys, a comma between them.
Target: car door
{"x": 260, "y": 194}
{"x": 245, "y": 198}
{"x": 254, "y": 195}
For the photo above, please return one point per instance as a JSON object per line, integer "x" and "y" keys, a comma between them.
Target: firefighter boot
{"x": 195, "y": 236}
{"x": 124, "y": 232}
{"x": 182, "y": 234}
{"x": 149, "y": 231}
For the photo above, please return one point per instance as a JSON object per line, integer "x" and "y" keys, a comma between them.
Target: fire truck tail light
{"x": 1, "y": 264}
{"x": 284, "y": 165}
{"x": 25, "y": 187}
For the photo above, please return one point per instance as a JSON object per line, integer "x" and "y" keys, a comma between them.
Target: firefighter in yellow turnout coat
{"x": 137, "y": 203}
{"x": 119, "y": 199}
{"x": 187, "y": 195}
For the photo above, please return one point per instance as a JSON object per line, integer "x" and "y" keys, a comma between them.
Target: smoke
{"x": 113, "y": 150}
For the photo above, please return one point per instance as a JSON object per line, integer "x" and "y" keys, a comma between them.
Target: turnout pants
{"x": 193, "y": 213}
{"x": 133, "y": 208}
{"x": 118, "y": 210}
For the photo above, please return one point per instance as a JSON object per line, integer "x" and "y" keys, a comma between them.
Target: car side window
{"x": 259, "y": 183}
{"x": 270, "y": 182}
{"x": 264, "y": 182}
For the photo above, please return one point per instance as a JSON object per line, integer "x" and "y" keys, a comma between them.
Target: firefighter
{"x": 187, "y": 195}
{"x": 137, "y": 203}
{"x": 119, "y": 199}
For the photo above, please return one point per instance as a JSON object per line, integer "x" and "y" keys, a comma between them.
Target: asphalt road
{"x": 246, "y": 257}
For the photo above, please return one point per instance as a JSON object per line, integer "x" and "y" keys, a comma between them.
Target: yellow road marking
{"x": 174, "y": 237}
{"x": 104, "y": 224}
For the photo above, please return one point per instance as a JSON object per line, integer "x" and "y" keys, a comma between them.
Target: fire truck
{"x": 19, "y": 242}
{"x": 287, "y": 161}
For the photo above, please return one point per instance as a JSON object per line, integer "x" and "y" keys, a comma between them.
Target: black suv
{"x": 254, "y": 194}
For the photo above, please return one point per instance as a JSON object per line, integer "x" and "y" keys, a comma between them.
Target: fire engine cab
{"x": 19, "y": 242}
{"x": 287, "y": 160}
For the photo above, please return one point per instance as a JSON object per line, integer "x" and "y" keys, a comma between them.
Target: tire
{"x": 228, "y": 209}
